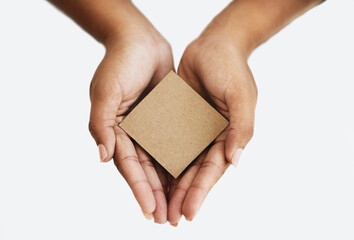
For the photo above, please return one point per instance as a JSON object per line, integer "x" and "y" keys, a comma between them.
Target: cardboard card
{"x": 174, "y": 124}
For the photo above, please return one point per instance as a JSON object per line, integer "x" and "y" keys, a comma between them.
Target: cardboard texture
{"x": 174, "y": 124}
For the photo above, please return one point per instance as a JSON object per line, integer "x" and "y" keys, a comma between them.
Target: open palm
{"x": 219, "y": 74}
{"x": 133, "y": 65}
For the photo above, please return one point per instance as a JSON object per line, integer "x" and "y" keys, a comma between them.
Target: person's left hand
{"x": 217, "y": 69}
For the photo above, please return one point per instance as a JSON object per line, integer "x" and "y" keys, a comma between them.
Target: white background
{"x": 294, "y": 181}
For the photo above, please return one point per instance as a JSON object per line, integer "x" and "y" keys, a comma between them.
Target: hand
{"x": 215, "y": 65}
{"x": 217, "y": 69}
{"x": 137, "y": 58}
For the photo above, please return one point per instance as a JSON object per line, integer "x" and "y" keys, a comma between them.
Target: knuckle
{"x": 146, "y": 162}
{"x": 247, "y": 132}
{"x": 181, "y": 189}
{"x": 122, "y": 162}
{"x": 92, "y": 128}
{"x": 96, "y": 125}
{"x": 199, "y": 187}
{"x": 133, "y": 159}
{"x": 243, "y": 132}
{"x": 214, "y": 167}
{"x": 158, "y": 190}
{"x": 136, "y": 183}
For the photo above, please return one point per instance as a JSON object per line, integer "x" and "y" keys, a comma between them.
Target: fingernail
{"x": 189, "y": 219}
{"x": 174, "y": 224}
{"x": 148, "y": 216}
{"x": 103, "y": 152}
{"x": 236, "y": 157}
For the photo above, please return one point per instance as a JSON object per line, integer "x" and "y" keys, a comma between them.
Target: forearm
{"x": 251, "y": 22}
{"x": 102, "y": 19}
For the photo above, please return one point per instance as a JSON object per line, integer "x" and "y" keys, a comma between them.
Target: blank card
{"x": 174, "y": 124}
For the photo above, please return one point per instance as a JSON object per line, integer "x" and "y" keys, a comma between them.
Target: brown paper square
{"x": 174, "y": 124}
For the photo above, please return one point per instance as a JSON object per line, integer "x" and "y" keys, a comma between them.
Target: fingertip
{"x": 111, "y": 148}
{"x": 148, "y": 208}
{"x": 233, "y": 149}
{"x": 189, "y": 219}
{"x": 190, "y": 211}
{"x": 146, "y": 200}
{"x": 174, "y": 224}
{"x": 231, "y": 146}
{"x": 148, "y": 216}
{"x": 106, "y": 141}
{"x": 160, "y": 220}
{"x": 189, "y": 216}
{"x": 236, "y": 156}
{"x": 102, "y": 152}
{"x": 194, "y": 201}
{"x": 160, "y": 213}
{"x": 175, "y": 206}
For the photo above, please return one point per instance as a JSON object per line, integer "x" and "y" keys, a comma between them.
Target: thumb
{"x": 241, "y": 127}
{"x": 105, "y": 100}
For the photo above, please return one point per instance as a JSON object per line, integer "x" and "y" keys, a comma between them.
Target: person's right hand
{"x": 137, "y": 58}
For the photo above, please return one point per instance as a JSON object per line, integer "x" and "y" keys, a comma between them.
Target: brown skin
{"x": 215, "y": 65}
{"x": 137, "y": 58}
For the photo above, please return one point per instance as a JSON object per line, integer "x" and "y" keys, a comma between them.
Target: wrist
{"x": 249, "y": 23}
{"x": 130, "y": 25}
{"x": 117, "y": 22}
{"x": 231, "y": 29}
{"x": 238, "y": 41}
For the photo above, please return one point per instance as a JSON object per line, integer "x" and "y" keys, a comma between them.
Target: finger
{"x": 173, "y": 185}
{"x": 180, "y": 190}
{"x": 162, "y": 176}
{"x": 160, "y": 213}
{"x": 212, "y": 168}
{"x": 241, "y": 103}
{"x": 175, "y": 181}
{"x": 128, "y": 164}
{"x": 106, "y": 96}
